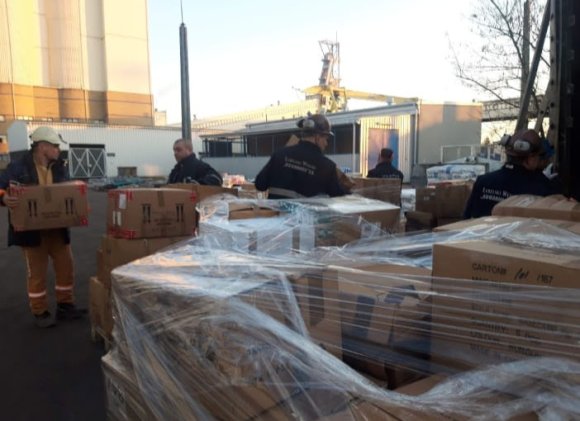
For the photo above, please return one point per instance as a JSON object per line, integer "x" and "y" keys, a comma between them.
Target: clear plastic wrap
{"x": 482, "y": 325}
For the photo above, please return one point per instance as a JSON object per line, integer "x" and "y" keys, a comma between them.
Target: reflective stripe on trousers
{"x": 52, "y": 246}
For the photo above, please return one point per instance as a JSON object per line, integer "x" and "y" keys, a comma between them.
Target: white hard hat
{"x": 46, "y": 134}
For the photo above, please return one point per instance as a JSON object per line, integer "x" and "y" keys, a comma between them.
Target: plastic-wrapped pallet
{"x": 208, "y": 333}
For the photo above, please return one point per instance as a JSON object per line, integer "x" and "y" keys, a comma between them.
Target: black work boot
{"x": 44, "y": 320}
{"x": 68, "y": 311}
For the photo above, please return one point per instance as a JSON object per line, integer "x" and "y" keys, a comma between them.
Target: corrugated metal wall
{"x": 150, "y": 149}
{"x": 405, "y": 127}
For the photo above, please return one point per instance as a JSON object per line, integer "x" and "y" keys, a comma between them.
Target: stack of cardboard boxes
{"x": 385, "y": 189}
{"x": 439, "y": 204}
{"x": 139, "y": 223}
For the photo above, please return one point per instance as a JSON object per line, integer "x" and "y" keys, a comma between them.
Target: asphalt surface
{"x": 55, "y": 373}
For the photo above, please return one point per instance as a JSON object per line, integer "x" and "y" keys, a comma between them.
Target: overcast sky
{"x": 252, "y": 53}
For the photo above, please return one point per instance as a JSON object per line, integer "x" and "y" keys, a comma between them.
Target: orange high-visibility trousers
{"x": 53, "y": 246}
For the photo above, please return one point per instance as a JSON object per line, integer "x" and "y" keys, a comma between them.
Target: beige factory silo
{"x": 74, "y": 60}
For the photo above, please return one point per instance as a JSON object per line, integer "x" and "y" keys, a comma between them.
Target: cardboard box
{"x": 115, "y": 252}
{"x": 385, "y": 316}
{"x": 340, "y": 220}
{"x": 57, "y": 205}
{"x": 250, "y": 209}
{"x": 123, "y": 396}
{"x": 385, "y": 189}
{"x": 419, "y": 221}
{"x": 270, "y": 236}
{"x": 491, "y": 398}
{"x": 551, "y": 207}
{"x": 227, "y": 353}
{"x": 443, "y": 200}
{"x": 100, "y": 307}
{"x": 249, "y": 191}
{"x": 510, "y": 302}
{"x": 150, "y": 213}
{"x": 494, "y": 221}
{"x": 317, "y": 296}
{"x": 203, "y": 192}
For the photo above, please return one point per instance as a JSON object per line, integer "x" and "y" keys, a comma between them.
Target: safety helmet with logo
{"x": 315, "y": 124}
{"x": 47, "y": 134}
{"x": 522, "y": 144}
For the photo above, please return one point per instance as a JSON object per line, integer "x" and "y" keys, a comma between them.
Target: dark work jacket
{"x": 191, "y": 169}
{"x": 300, "y": 170}
{"x": 490, "y": 189}
{"x": 23, "y": 171}
{"x": 385, "y": 170}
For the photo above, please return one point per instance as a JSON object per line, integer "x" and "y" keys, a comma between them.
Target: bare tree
{"x": 492, "y": 60}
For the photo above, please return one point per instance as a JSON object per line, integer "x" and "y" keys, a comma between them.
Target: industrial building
{"x": 82, "y": 61}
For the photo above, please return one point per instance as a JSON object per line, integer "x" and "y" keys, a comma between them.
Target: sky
{"x": 249, "y": 54}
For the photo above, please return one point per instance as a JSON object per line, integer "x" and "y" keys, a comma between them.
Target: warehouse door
{"x": 87, "y": 161}
{"x": 383, "y": 138}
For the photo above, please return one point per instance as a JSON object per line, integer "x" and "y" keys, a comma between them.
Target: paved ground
{"x": 50, "y": 374}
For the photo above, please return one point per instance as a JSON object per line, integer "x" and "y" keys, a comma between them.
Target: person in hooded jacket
{"x": 302, "y": 170}
{"x": 521, "y": 174}
{"x": 42, "y": 165}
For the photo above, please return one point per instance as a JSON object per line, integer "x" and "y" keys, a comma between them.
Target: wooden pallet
{"x": 98, "y": 335}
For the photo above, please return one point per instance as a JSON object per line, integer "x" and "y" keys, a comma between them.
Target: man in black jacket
{"x": 302, "y": 170}
{"x": 385, "y": 168}
{"x": 521, "y": 174}
{"x": 42, "y": 165}
{"x": 189, "y": 169}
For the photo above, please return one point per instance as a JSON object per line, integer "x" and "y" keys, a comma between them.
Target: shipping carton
{"x": 270, "y": 236}
{"x": 57, "y": 205}
{"x": 504, "y": 302}
{"x": 115, "y": 252}
{"x": 100, "y": 310}
{"x": 385, "y": 316}
{"x": 225, "y": 338}
{"x": 443, "y": 200}
{"x": 551, "y": 207}
{"x": 203, "y": 192}
{"x": 340, "y": 220}
{"x": 250, "y": 209}
{"x": 385, "y": 189}
{"x": 317, "y": 296}
{"x": 493, "y": 221}
{"x": 419, "y": 221}
{"x": 150, "y": 213}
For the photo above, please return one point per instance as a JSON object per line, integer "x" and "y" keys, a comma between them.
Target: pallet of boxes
{"x": 139, "y": 223}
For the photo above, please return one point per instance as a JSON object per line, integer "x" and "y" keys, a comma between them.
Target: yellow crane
{"x": 331, "y": 96}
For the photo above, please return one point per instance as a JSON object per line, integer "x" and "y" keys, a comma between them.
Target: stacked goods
{"x": 150, "y": 213}
{"x": 140, "y": 222}
{"x": 552, "y": 207}
{"x": 385, "y": 189}
{"x": 339, "y": 220}
{"x": 217, "y": 334}
{"x": 439, "y": 204}
{"x": 204, "y": 333}
{"x": 385, "y": 316}
{"x": 506, "y": 298}
{"x": 57, "y": 205}
{"x": 203, "y": 192}
{"x": 249, "y": 191}
{"x": 494, "y": 222}
{"x": 308, "y": 223}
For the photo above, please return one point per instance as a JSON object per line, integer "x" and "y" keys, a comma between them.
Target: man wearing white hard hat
{"x": 40, "y": 166}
